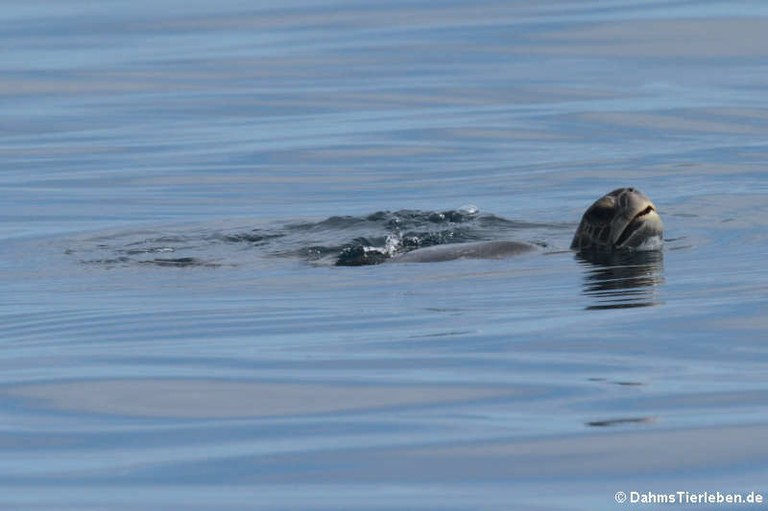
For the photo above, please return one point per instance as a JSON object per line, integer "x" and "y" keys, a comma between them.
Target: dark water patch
{"x": 361, "y": 254}
{"x": 180, "y": 262}
{"x": 624, "y": 421}
{"x": 149, "y": 251}
{"x": 254, "y": 237}
{"x": 614, "y": 382}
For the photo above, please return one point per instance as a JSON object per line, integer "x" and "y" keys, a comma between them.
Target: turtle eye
{"x": 599, "y": 214}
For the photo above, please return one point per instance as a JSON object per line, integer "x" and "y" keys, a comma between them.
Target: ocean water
{"x": 178, "y": 178}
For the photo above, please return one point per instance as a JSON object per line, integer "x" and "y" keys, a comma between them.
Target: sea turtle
{"x": 622, "y": 220}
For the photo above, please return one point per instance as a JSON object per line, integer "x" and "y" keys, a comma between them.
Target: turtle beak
{"x": 645, "y": 225}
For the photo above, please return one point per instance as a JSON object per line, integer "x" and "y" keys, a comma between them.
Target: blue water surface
{"x": 222, "y": 135}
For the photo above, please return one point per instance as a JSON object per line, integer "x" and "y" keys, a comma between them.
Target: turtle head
{"x": 624, "y": 219}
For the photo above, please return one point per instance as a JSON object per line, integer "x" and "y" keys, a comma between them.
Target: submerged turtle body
{"x": 622, "y": 220}
{"x": 476, "y": 250}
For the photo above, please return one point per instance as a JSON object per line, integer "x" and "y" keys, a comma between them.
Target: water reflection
{"x": 622, "y": 280}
